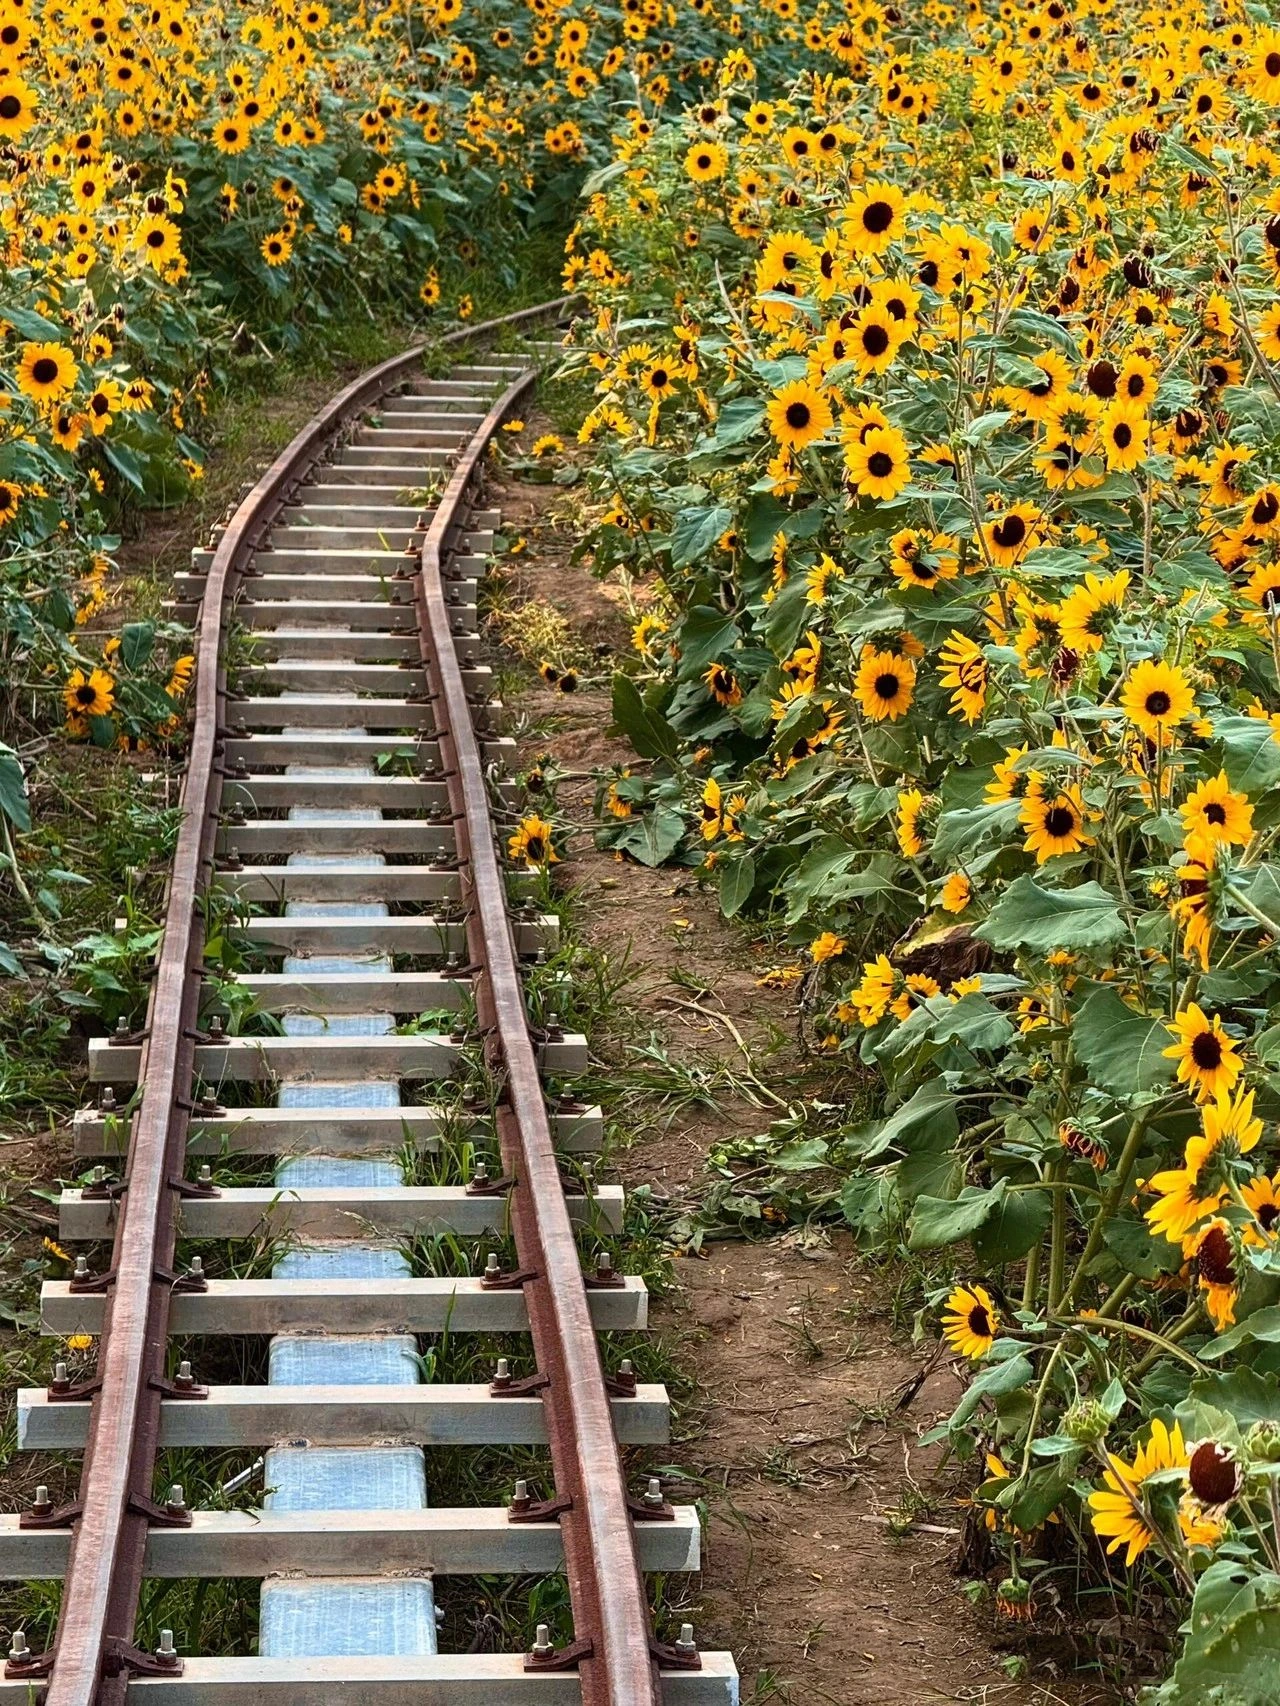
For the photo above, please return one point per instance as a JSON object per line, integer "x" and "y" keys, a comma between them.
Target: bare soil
{"x": 831, "y": 1536}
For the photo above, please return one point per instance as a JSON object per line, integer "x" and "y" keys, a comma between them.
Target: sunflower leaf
{"x": 1121, "y": 1050}
{"x": 938, "y": 1220}
{"x": 1250, "y": 754}
{"x": 1029, "y": 915}
{"x": 13, "y": 789}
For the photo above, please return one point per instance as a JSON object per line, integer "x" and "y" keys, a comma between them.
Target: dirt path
{"x": 831, "y": 1535}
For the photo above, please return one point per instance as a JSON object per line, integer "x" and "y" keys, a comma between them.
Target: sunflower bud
{"x": 1086, "y": 1422}
{"x": 1262, "y": 1442}
{"x": 1013, "y": 1599}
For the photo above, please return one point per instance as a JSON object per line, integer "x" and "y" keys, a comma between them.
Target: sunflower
{"x": 1087, "y": 612}
{"x": 531, "y": 843}
{"x": 88, "y": 188}
{"x": 971, "y": 1322}
{"x": 90, "y": 695}
{"x": 1157, "y": 697}
{"x": 724, "y": 685}
{"x": 1054, "y": 822}
{"x": 910, "y": 810}
{"x": 18, "y": 106}
{"x": 1188, "y": 1194}
{"x": 968, "y": 672}
{"x": 1119, "y": 1512}
{"x": 1123, "y": 434}
{"x": 1193, "y": 907}
{"x": 1263, "y": 1202}
{"x": 1213, "y": 1249}
{"x": 798, "y": 415}
{"x": 276, "y": 248}
{"x": 10, "y": 498}
{"x": 873, "y": 340}
{"x": 1041, "y": 397}
{"x": 875, "y": 218}
{"x": 879, "y": 463}
{"x": 1214, "y": 811}
{"x": 46, "y": 372}
{"x": 885, "y": 685}
{"x": 1010, "y": 535}
{"x": 659, "y": 381}
{"x": 957, "y": 892}
{"x": 1207, "y": 1061}
{"x": 158, "y": 239}
{"x": 917, "y": 561}
{"x": 706, "y": 161}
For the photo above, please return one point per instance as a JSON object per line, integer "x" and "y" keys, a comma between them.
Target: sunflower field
{"x": 184, "y": 185}
{"x": 936, "y": 434}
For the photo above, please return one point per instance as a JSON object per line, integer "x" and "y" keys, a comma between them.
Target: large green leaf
{"x": 1028, "y": 915}
{"x": 1232, "y": 1651}
{"x": 653, "y": 837}
{"x": 13, "y": 789}
{"x": 1017, "y": 1223}
{"x": 1250, "y": 754}
{"x": 996, "y": 1380}
{"x": 707, "y": 633}
{"x": 1120, "y": 1050}
{"x": 737, "y": 879}
{"x": 647, "y": 730}
{"x": 1262, "y": 1327}
{"x": 1243, "y": 1393}
{"x": 937, "y": 1221}
{"x": 696, "y": 531}
{"x": 926, "y": 1122}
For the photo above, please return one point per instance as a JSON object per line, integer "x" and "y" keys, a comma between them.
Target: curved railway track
{"x": 342, "y": 797}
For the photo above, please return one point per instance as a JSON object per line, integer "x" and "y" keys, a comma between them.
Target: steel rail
{"x": 613, "y": 1646}
{"x": 93, "y": 1655}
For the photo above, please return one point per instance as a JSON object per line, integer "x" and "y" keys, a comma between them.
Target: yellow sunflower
{"x": 968, "y": 672}
{"x": 885, "y": 685}
{"x": 46, "y": 372}
{"x": 1157, "y": 697}
{"x": 875, "y": 218}
{"x": 798, "y": 415}
{"x": 1213, "y": 810}
{"x": 971, "y": 1322}
{"x": 90, "y": 695}
{"x": 1054, "y": 822}
{"x": 531, "y": 843}
{"x": 879, "y": 463}
{"x": 1119, "y": 1512}
{"x": 1207, "y": 1060}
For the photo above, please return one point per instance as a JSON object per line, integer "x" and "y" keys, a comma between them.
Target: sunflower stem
{"x": 1124, "y": 1169}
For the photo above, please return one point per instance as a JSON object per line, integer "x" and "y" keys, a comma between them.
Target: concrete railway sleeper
{"x": 341, "y": 821}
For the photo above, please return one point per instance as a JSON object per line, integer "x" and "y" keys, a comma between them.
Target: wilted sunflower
{"x": 90, "y": 695}
{"x": 724, "y": 685}
{"x": 1207, "y": 1061}
{"x": 885, "y": 685}
{"x": 798, "y": 414}
{"x": 1087, "y": 613}
{"x": 971, "y": 1322}
{"x": 1213, "y": 1249}
{"x": 531, "y": 843}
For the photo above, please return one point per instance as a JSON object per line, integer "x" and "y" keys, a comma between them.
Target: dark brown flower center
{"x": 798, "y": 416}
{"x": 877, "y": 217}
{"x": 1214, "y": 1258}
{"x": 1213, "y": 1473}
{"x": 1009, "y": 532}
{"x": 1206, "y": 1051}
{"x": 1059, "y": 821}
{"x": 1157, "y": 704}
{"x": 44, "y": 370}
{"x": 887, "y": 686}
{"x": 979, "y": 1321}
{"x": 880, "y": 463}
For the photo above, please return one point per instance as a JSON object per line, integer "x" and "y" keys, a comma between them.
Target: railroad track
{"x": 343, "y": 798}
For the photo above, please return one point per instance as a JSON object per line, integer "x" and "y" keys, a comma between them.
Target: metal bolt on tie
{"x": 61, "y": 1379}
{"x": 520, "y": 1499}
{"x": 195, "y": 1269}
{"x": 493, "y": 1267}
{"x": 107, "y": 1100}
{"x": 542, "y": 1642}
{"x": 176, "y": 1503}
{"x": 653, "y": 1495}
{"x": 184, "y": 1379}
{"x": 502, "y": 1374}
{"x": 686, "y": 1646}
{"x": 19, "y": 1651}
{"x": 42, "y": 1504}
{"x": 122, "y": 1027}
{"x": 481, "y": 1177}
{"x": 166, "y": 1652}
{"x": 82, "y": 1268}
{"x": 205, "y": 1175}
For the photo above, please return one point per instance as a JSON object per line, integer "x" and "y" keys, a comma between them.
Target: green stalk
{"x": 1124, "y": 1169}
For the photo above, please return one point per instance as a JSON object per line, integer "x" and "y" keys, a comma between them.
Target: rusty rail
{"x": 613, "y": 1649}
{"x": 93, "y": 1655}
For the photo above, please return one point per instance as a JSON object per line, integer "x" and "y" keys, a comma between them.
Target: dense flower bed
{"x": 180, "y": 185}
{"x": 936, "y": 423}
